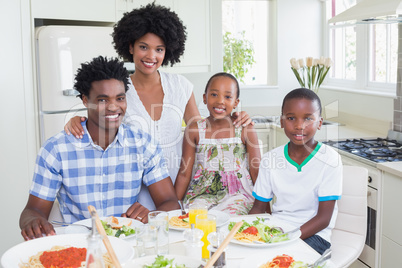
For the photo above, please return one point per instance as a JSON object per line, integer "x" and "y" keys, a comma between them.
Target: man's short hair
{"x": 100, "y": 68}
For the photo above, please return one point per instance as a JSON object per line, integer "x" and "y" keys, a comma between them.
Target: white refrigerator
{"x": 60, "y": 50}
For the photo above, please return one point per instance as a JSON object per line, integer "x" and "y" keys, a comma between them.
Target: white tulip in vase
{"x": 312, "y": 74}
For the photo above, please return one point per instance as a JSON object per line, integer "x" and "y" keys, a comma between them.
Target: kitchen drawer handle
{"x": 70, "y": 92}
{"x": 370, "y": 179}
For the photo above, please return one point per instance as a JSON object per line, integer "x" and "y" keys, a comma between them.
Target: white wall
{"x": 299, "y": 36}
{"x": 17, "y": 135}
{"x": 363, "y": 105}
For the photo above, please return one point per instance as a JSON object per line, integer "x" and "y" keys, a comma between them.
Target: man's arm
{"x": 34, "y": 218}
{"x": 164, "y": 195}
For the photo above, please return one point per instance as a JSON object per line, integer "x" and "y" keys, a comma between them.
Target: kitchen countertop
{"x": 394, "y": 168}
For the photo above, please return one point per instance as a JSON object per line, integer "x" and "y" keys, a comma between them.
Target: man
{"x": 105, "y": 168}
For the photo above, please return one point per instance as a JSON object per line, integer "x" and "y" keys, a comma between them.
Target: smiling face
{"x": 221, "y": 97}
{"x": 300, "y": 120}
{"x": 148, "y": 53}
{"x": 106, "y": 105}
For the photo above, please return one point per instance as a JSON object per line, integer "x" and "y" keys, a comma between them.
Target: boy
{"x": 304, "y": 175}
{"x": 105, "y": 168}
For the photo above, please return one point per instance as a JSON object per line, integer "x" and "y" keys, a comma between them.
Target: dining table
{"x": 235, "y": 253}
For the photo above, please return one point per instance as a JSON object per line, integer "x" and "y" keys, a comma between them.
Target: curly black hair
{"x": 303, "y": 93}
{"x": 228, "y": 75}
{"x": 155, "y": 19}
{"x": 100, "y": 68}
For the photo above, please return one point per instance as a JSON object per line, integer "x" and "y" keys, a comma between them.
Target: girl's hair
{"x": 155, "y": 19}
{"x": 302, "y": 93}
{"x": 100, "y": 68}
{"x": 223, "y": 74}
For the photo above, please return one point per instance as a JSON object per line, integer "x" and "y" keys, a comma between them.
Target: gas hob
{"x": 377, "y": 150}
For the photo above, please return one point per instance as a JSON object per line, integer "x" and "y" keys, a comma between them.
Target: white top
{"x": 167, "y": 130}
{"x": 299, "y": 188}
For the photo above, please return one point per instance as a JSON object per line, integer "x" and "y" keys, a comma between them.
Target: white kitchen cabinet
{"x": 391, "y": 239}
{"x": 266, "y": 135}
{"x": 196, "y": 16}
{"x": 123, "y": 6}
{"x": 390, "y": 253}
{"x": 280, "y": 137}
{"x": 87, "y": 10}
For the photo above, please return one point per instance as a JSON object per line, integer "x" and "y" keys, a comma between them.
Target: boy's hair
{"x": 100, "y": 68}
{"x": 155, "y": 19}
{"x": 223, "y": 74}
{"x": 302, "y": 93}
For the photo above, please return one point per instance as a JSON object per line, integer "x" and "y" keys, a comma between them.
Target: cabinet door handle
{"x": 70, "y": 92}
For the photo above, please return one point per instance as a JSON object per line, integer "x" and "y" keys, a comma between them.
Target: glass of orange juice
{"x": 207, "y": 224}
{"x": 196, "y": 208}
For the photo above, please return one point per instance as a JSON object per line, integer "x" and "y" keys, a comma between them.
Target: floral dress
{"x": 221, "y": 174}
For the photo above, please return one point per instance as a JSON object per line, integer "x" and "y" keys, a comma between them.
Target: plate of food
{"x": 171, "y": 261}
{"x": 179, "y": 222}
{"x": 259, "y": 232}
{"x": 30, "y": 251}
{"x": 292, "y": 258}
{"x": 114, "y": 226}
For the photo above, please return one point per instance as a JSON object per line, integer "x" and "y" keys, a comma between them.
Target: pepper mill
{"x": 193, "y": 244}
{"x": 215, "y": 239}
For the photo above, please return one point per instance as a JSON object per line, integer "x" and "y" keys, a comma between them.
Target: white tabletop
{"x": 237, "y": 253}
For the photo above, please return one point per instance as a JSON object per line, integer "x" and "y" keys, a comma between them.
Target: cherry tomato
{"x": 251, "y": 230}
{"x": 183, "y": 216}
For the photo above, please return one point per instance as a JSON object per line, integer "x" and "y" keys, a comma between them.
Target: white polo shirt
{"x": 299, "y": 188}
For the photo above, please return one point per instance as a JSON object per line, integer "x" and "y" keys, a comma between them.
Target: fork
{"x": 183, "y": 212}
{"x": 325, "y": 256}
{"x": 281, "y": 234}
{"x": 73, "y": 224}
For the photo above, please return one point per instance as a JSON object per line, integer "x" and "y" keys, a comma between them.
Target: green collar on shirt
{"x": 299, "y": 167}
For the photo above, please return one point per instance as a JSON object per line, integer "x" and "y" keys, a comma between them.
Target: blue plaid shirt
{"x": 80, "y": 173}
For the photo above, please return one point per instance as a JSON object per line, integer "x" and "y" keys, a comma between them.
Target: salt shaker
{"x": 215, "y": 239}
{"x": 94, "y": 257}
{"x": 193, "y": 244}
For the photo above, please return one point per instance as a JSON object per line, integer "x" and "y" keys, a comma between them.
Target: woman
{"x": 153, "y": 36}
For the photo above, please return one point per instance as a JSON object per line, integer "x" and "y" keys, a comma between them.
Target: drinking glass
{"x": 207, "y": 224}
{"x": 160, "y": 220}
{"x": 146, "y": 240}
{"x": 196, "y": 208}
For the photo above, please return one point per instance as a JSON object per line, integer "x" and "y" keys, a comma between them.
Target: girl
{"x": 227, "y": 158}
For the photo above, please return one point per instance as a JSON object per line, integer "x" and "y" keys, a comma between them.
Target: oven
{"x": 367, "y": 153}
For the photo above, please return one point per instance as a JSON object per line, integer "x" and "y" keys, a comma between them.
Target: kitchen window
{"x": 249, "y": 41}
{"x": 364, "y": 55}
